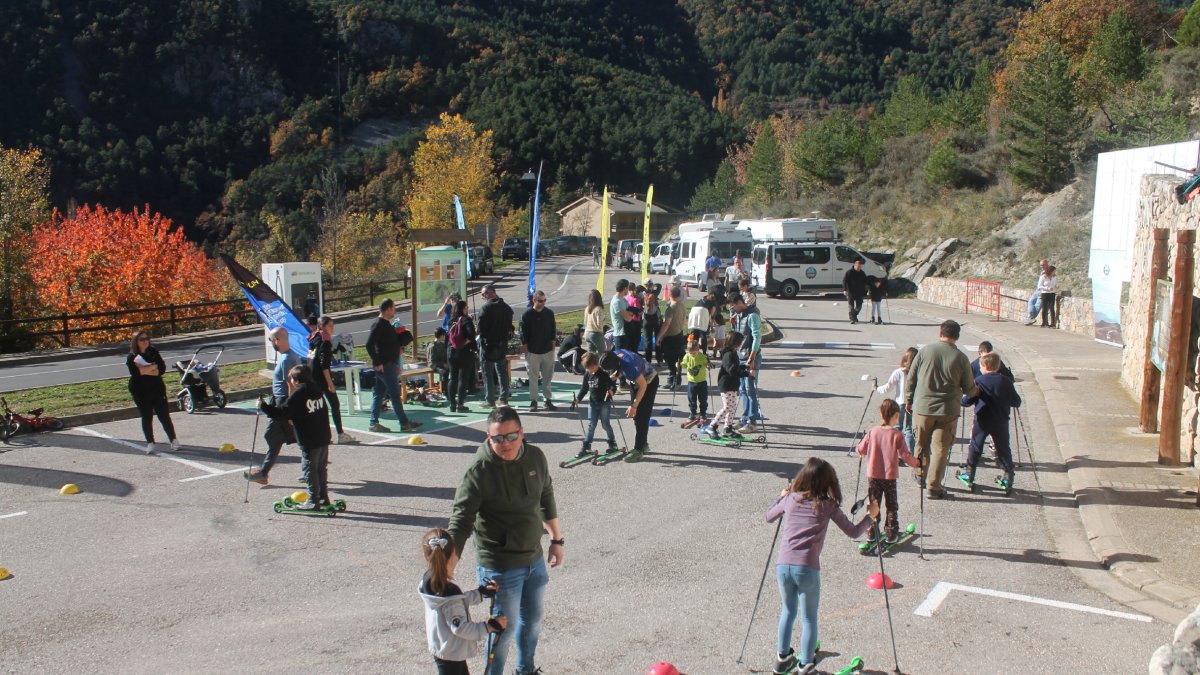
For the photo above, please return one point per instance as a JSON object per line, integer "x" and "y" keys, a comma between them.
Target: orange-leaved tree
{"x": 102, "y": 260}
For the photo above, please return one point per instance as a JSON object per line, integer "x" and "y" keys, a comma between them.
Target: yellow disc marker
{"x": 299, "y": 496}
{"x": 69, "y": 489}
{"x": 228, "y": 447}
{"x": 4, "y": 574}
{"x": 416, "y": 439}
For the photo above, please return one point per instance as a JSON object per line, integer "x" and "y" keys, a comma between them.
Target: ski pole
{"x": 761, "y": 582}
{"x": 857, "y": 481}
{"x": 621, "y": 427}
{"x": 491, "y": 638}
{"x": 870, "y": 395}
{"x": 886, "y": 602}
{"x": 924, "y": 482}
{"x": 1029, "y": 451}
{"x": 253, "y": 446}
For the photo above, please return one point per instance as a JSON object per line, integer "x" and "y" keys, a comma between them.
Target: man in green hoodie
{"x": 506, "y": 498}
{"x": 938, "y": 377}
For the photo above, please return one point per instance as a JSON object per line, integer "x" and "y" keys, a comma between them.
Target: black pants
{"x": 855, "y": 304}
{"x": 1049, "y": 309}
{"x": 999, "y": 434}
{"x": 884, "y": 490}
{"x": 151, "y": 405}
{"x": 277, "y": 434}
{"x": 461, "y": 362}
{"x": 641, "y": 416}
{"x": 451, "y": 667}
{"x": 650, "y": 325}
{"x": 671, "y": 350}
{"x": 314, "y": 465}
{"x": 335, "y": 409}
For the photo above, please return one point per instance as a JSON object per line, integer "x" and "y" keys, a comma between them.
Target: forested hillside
{"x": 286, "y": 128}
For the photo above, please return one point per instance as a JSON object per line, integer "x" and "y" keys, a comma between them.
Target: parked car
{"x": 515, "y": 248}
{"x": 482, "y": 261}
{"x": 662, "y": 261}
{"x": 564, "y": 245}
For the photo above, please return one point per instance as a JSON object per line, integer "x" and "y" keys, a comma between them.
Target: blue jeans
{"x": 496, "y": 381}
{"x": 599, "y": 413}
{"x": 748, "y": 394}
{"x": 910, "y": 439}
{"x": 387, "y": 384}
{"x": 1034, "y": 305}
{"x": 519, "y": 599}
{"x": 797, "y": 583}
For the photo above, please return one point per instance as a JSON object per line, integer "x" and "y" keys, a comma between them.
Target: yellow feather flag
{"x": 646, "y": 236}
{"x": 603, "y": 241}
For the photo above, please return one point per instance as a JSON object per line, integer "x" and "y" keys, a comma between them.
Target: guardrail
{"x": 983, "y": 296}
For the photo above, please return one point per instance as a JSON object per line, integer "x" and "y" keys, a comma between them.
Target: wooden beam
{"x": 441, "y": 236}
{"x": 1148, "y": 415}
{"x": 1177, "y": 352}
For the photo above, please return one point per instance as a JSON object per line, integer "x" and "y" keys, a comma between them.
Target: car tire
{"x": 789, "y": 289}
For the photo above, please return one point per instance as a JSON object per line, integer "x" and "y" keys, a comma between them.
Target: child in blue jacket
{"x": 995, "y": 398}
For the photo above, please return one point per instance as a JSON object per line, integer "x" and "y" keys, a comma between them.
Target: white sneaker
{"x": 1031, "y": 321}
{"x": 747, "y": 428}
{"x": 344, "y": 438}
{"x": 175, "y": 444}
{"x": 149, "y": 448}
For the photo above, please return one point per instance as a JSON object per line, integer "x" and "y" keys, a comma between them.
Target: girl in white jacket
{"x": 894, "y": 389}
{"x": 453, "y": 637}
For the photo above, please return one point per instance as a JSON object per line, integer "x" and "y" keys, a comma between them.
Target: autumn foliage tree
{"x": 101, "y": 260}
{"x": 24, "y": 181}
{"x": 453, "y": 159}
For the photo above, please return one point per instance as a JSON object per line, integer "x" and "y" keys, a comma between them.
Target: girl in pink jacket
{"x": 884, "y": 447}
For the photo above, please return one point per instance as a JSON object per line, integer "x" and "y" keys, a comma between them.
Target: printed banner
{"x": 271, "y": 308}
{"x": 603, "y": 241}
{"x": 646, "y": 237}
{"x": 441, "y": 270}
{"x": 534, "y": 233}
{"x": 462, "y": 225}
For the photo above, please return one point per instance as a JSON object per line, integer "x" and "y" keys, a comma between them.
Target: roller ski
{"x": 856, "y": 666}
{"x": 966, "y": 476}
{"x": 585, "y": 455}
{"x": 613, "y": 454}
{"x": 288, "y": 505}
{"x": 694, "y": 422}
{"x": 731, "y": 439}
{"x": 870, "y": 548}
{"x": 1005, "y": 482}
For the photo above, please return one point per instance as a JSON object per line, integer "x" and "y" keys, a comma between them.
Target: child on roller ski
{"x": 995, "y": 398}
{"x": 695, "y": 364}
{"x": 729, "y": 378}
{"x": 813, "y": 498}
{"x": 305, "y": 409}
{"x": 599, "y": 387}
{"x": 883, "y": 446}
{"x": 453, "y": 637}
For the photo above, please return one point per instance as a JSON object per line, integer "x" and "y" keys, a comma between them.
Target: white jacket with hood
{"x": 451, "y": 633}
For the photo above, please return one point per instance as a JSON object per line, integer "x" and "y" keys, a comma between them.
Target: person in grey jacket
{"x": 452, "y": 636}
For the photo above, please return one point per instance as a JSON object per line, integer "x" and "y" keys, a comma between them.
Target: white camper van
{"x": 790, "y": 229}
{"x": 700, "y": 239}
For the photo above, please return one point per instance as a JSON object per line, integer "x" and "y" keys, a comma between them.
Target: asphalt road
{"x": 158, "y": 565}
{"x": 14, "y": 376}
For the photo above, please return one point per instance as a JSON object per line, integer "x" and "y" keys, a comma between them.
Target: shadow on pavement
{"x": 374, "y": 488}
{"x": 785, "y": 470}
{"x": 1034, "y": 556}
{"x": 54, "y": 479}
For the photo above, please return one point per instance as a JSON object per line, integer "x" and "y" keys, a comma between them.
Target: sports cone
{"x": 796, "y": 373}
{"x": 415, "y": 439}
{"x": 663, "y": 668}
{"x": 877, "y": 580}
{"x": 69, "y": 489}
{"x": 3, "y": 574}
{"x": 299, "y": 496}
{"x": 227, "y": 447}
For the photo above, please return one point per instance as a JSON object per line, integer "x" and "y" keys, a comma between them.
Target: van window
{"x": 760, "y": 256}
{"x": 726, "y": 249}
{"x": 846, "y": 254}
{"x": 802, "y": 255}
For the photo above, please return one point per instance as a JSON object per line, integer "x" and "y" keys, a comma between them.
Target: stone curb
{"x": 1106, "y": 540}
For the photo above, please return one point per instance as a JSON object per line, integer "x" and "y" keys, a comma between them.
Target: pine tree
{"x": 1188, "y": 34}
{"x": 764, "y": 175}
{"x": 1114, "y": 59}
{"x": 1044, "y": 121}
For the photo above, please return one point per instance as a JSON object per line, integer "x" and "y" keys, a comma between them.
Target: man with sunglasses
{"x": 539, "y": 336}
{"x": 507, "y": 498}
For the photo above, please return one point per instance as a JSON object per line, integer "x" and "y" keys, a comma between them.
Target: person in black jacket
{"x": 854, "y": 287}
{"x": 305, "y": 409}
{"x": 146, "y": 369}
{"x": 383, "y": 346}
{"x": 320, "y": 349}
{"x": 729, "y": 379}
{"x": 570, "y": 352}
{"x": 599, "y": 387}
{"x": 995, "y": 398}
{"x": 877, "y": 291}
{"x": 539, "y": 335}
{"x": 461, "y": 357}
{"x": 495, "y": 329}
{"x": 985, "y": 347}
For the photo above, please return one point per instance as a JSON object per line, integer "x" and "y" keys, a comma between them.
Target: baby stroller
{"x": 198, "y": 379}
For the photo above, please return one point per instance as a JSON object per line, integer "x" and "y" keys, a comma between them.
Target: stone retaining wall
{"x": 1075, "y": 314}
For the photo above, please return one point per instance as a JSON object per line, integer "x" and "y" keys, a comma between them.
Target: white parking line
{"x": 836, "y": 345}
{"x": 142, "y": 448}
{"x": 211, "y": 475}
{"x": 943, "y": 588}
{"x": 14, "y": 515}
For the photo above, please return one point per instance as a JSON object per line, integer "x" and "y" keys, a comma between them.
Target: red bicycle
{"x": 13, "y": 423}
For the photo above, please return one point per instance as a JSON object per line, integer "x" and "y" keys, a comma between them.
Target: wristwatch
{"x": 558, "y": 542}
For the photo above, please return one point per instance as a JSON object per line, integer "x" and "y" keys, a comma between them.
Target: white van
{"x": 699, "y": 240}
{"x": 637, "y": 255}
{"x": 787, "y": 269}
{"x": 623, "y": 253}
{"x": 662, "y": 261}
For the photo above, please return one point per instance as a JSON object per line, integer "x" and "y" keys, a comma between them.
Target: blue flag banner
{"x": 533, "y": 233}
{"x": 271, "y": 308}
{"x": 462, "y": 225}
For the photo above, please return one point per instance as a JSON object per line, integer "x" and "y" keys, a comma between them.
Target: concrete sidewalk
{"x": 1139, "y": 517}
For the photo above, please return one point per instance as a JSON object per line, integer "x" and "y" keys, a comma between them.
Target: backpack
{"x": 458, "y": 335}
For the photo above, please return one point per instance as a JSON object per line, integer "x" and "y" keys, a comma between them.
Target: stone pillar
{"x": 1148, "y": 415}
{"x": 1177, "y": 352}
